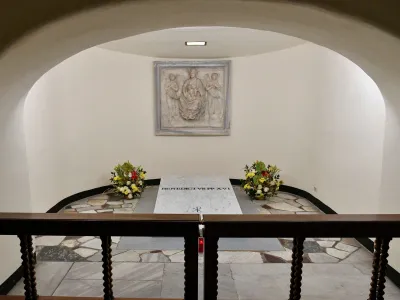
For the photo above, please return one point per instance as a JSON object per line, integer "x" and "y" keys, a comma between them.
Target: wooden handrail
{"x": 302, "y": 225}
{"x": 99, "y": 224}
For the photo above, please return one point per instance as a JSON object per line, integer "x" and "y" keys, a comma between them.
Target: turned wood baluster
{"x": 297, "y": 268}
{"x": 210, "y": 268}
{"x": 375, "y": 268}
{"x": 28, "y": 267}
{"x": 380, "y": 292}
{"x": 191, "y": 267}
{"x": 107, "y": 267}
{"x": 32, "y": 272}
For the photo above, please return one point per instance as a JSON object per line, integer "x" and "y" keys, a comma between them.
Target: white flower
{"x": 252, "y": 171}
{"x": 129, "y": 175}
{"x": 130, "y": 196}
{"x": 272, "y": 183}
{"x": 259, "y": 187}
{"x": 128, "y": 183}
{"x": 121, "y": 189}
{"x": 266, "y": 189}
{"x": 140, "y": 182}
{"x": 259, "y": 192}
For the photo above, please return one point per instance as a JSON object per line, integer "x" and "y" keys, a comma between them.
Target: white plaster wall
{"x": 348, "y": 146}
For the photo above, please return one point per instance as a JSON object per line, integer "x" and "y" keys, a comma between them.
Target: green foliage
{"x": 128, "y": 180}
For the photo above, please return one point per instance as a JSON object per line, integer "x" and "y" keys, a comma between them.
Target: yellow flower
{"x": 247, "y": 186}
{"x": 116, "y": 178}
{"x": 250, "y": 175}
{"x": 134, "y": 188}
{"x": 126, "y": 192}
{"x": 262, "y": 180}
{"x": 142, "y": 175}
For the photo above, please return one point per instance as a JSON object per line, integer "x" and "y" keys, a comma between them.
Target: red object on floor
{"x": 201, "y": 245}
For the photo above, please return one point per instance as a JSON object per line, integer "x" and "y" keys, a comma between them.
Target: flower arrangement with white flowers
{"x": 128, "y": 180}
{"x": 261, "y": 181}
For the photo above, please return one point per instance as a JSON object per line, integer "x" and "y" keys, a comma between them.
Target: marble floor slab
{"x": 227, "y": 244}
{"x": 196, "y": 194}
{"x": 48, "y": 276}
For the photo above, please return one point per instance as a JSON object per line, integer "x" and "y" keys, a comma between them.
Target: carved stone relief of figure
{"x": 214, "y": 97}
{"x": 172, "y": 93}
{"x": 193, "y": 97}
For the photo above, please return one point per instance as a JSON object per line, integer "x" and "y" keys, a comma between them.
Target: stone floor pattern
{"x": 335, "y": 268}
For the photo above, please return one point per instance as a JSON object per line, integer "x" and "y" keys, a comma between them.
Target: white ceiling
{"x": 221, "y": 42}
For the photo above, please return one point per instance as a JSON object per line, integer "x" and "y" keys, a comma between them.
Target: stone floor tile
{"x": 330, "y": 270}
{"x": 85, "y": 252}
{"x": 239, "y": 257}
{"x": 309, "y": 246}
{"x": 285, "y": 255}
{"x": 322, "y": 258}
{"x": 70, "y": 243}
{"x": 49, "y": 240}
{"x": 115, "y": 202}
{"x": 304, "y": 202}
{"x": 90, "y": 208}
{"x": 286, "y": 196}
{"x": 263, "y": 211}
{"x": 97, "y": 202}
{"x": 262, "y": 287}
{"x": 93, "y": 244}
{"x": 326, "y": 244}
{"x": 154, "y": 257}
{"x": 102, "y": 211}
{"x": 123, "y": 211}
{"x": 337, "y": 253}
{"x": 345, "y": 247}
{"x": 131, "y": 201}
{"x": 69, "y": 211}
{"x": 282, "y": 206}
{"x": 280, "y": 212}
{"x": 351, "y": 242}
{"x": 268, "y": 258}
{"x": 359, "y": 256}
{"x": 327, "y": 239}
{"x": 80, "y": 288}
{"x": 308, "y": 213}
{"x": 79, "y": 206}
{"x": 57, "y": 253}
{"x": 260, "y": 270}
{"x": 137, "y": 289}
{"x": 115, "y": 239}
{"x": 293, "y": 203}
{"x": 48, "y": 277}
{"x": 88, "y": 212}
{"x": 129, "y": 255}
{"x": 170, "y": 252}
{"x": 177, "y": 257}
{"x": 310, "y": 208}
{"x": 85, "y": 239}
{"x": 101, "y": 197}
{"x": 122, "y": 271}
{"x": 364, "y": 267}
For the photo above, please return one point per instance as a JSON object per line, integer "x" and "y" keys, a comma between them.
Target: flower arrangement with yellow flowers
{"x": 261, "y": 181}
{"x": 128, "y": 180}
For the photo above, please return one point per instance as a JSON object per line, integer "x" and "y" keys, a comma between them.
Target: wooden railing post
{"x": 107, "y": 267}
{"x": 210, "y": 267}
{"x": 383, "y": 262}
{"x": 28, "y": 267}
{"x": 191, "y": 267}
{"x": 375, "y": 268}
{"x": 297, "y": 268}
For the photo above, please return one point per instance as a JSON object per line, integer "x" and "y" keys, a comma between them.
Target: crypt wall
{"x": 307, "y": 109}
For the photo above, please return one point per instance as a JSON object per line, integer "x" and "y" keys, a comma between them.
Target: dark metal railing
{"x": 384, "y": 227}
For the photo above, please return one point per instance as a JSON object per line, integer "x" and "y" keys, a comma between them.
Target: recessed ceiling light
{"x": 196, "y": 43}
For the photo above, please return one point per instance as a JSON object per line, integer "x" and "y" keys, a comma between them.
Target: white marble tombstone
{"x": 196, "y": 194}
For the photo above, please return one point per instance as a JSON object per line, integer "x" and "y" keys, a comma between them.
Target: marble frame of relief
{"x": 192, "y": 98}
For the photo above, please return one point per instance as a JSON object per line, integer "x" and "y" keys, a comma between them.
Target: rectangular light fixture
{"x": 196, "y": 43}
